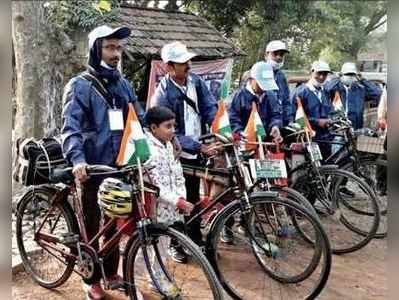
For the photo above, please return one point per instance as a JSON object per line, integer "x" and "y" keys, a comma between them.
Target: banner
{"x": 215, "y": 73}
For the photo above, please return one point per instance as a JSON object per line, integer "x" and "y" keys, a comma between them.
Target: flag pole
{"x": 261, "y": 150}
{"x": 141, "y": 184}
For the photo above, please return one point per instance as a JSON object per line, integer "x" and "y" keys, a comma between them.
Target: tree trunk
{"x": 42, "y": 61}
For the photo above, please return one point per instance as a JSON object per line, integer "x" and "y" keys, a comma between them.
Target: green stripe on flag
{"x": 142, "y": 151}
{"x": 260, "y": 131}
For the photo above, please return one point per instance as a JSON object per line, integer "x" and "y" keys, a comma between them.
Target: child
{"x": 166, "y": 173}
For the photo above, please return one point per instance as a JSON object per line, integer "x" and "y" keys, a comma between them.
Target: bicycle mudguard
{"x": 329, "y": 167}
{"x": 264, "y": 194}
{"x": 45, "y": 188}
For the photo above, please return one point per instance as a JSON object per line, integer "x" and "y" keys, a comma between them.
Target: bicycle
{"x": 61, "y": 246}
{"x": 369, "y": 164}
{"x": 296, "y": 268}
{"x": 323, "y": 185}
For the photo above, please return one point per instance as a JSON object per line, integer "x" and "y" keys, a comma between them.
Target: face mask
{"x": 348, "y": 80}
{"x": 276, "y": 65}
{"x": 315, "y": 83}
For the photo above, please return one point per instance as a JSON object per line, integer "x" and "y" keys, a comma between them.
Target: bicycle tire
{"x": 66, "y": 211}
{"x": 367, "y": 236}
{"x": 231, "y": 210}
{"x": 154, "y": 232}
{"x": 367, "y": 161}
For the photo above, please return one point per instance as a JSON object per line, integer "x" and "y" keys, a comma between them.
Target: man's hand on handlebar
{"x": 80, "y": 173}
{"x": 324, "y": 123}
{"x": 275, "y": 133}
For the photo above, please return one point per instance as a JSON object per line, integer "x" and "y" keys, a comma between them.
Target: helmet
{"x": 114, "y": 198}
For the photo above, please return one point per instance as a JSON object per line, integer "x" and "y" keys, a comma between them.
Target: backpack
{"x": 35, "y": 160}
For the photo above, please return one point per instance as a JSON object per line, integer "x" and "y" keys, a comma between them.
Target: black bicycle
{"x": 351, "y": 221}
{"x": 266, "y": 244}
{"x": 362, "y": 153}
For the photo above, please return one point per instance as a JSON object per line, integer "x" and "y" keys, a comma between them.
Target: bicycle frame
{"x": 81, "y": 239}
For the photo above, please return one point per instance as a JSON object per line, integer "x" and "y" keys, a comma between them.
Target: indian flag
{"x": 134, "y": 144}
{"x": 337, "y": 103}
{"x": 301, "y": 118}
{"x": 221, "y": 123}
{"x": 254, "y": 128}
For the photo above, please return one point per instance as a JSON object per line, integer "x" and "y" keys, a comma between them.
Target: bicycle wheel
{"x": 270, "y": 260}
{"x": 348, "y": 229}
{"x": 374, "y": 172}
{"x": 48, "y": 267}
{"x": 149, "y": 268}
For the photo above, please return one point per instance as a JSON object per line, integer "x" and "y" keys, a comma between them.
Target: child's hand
{"x": 185, "y": 206}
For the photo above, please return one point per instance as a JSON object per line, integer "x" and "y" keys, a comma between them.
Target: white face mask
{"x": 316, "y": 83}
{"x": 348, "y": 80}
{"x": 275, "y": 65}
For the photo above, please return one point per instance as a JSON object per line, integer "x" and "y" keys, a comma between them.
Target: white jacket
{"x": 167, "y": 174}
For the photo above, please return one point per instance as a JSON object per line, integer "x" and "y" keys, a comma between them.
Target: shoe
{"x": 344, "y": 190}
{"x": 227, "y": 235}
{"x": 116, "y": 283}
{"x": 94, "y": 292}
{"x": 178, "y": 255}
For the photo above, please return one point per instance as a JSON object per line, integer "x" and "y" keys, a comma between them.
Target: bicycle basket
{"x": 370, "y": 144}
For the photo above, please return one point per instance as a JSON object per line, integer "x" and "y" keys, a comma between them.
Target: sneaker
{"x": 94, "y": 292}
{"x": 178, "y": 255}
{"x": 227, "y": 235}
{"x": 116, "y": 283}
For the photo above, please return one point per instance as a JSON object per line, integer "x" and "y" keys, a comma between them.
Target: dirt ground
{"x": 360, "y": 275}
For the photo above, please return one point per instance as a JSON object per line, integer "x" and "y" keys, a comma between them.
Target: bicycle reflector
{"x": 114, "y": 198}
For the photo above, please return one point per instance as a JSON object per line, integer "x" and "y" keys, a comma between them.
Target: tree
{"x": 348, "y": 24}
{"x": 39, "y": 65}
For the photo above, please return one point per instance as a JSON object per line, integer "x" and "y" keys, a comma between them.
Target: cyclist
{"x": 92, "y": 130}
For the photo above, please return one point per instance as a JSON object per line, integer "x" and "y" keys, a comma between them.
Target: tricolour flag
{"x": 134, "y": 144}
{"x": 337, "y": 103}
{"x": 221, "y": 123}
{"x": 302, "y": 119}
{"x": 254, "y": 128}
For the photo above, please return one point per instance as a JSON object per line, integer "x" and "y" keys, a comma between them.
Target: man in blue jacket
{"x": 316, "y": 103}
{"x": 93, "y": 127}
{"x": 259, "y": 89}
{"x": 275, "y": 53}
{"x": 187, "y": 95}
{"x": 353, "y": 91}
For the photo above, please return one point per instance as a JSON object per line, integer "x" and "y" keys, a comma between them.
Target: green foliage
{"x": 73, "y": 14}
{"x": 332, "y": 30}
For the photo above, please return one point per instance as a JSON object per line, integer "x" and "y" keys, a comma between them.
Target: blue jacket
{"x": 268, "y": 106}
{"x": 283, "y": 95}
{"x": 169, "y": 95}
{"x": 357, "y": 95}
{"x": 86, "y": 134}
{"x": 313, "y": 107}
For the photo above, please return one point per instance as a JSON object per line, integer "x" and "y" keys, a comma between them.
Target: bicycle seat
{"x": 63, "y": 175}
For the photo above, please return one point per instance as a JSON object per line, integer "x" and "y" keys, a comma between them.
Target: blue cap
{"x": 263, "y": 74}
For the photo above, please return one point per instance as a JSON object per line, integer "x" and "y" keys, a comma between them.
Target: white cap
{"x": 263, "y": 74}
{"x": 349, "y": 68}
{"x": 320, "y": 66}
{"x": 176, "y": 52}
{"x": 276, "y": 46}
{"x": 106, "y": 31}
